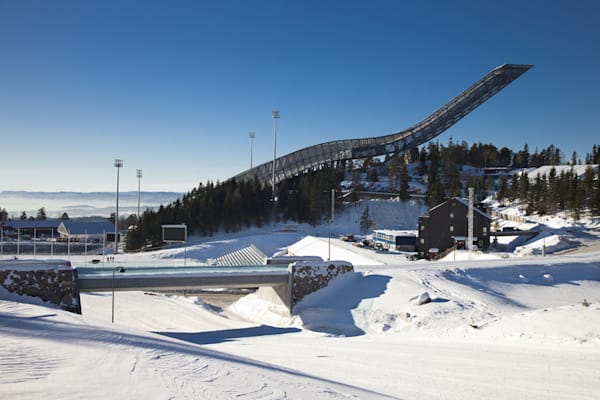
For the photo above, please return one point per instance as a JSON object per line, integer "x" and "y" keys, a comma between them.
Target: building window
{"x": 422, "y": 241}
{"x": 451, "y": 228}
{"x": 422, "y": 227}
{"x": 451, "y": 215}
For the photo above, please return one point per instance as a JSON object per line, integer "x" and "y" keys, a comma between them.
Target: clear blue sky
{"x": 174, "y": 87}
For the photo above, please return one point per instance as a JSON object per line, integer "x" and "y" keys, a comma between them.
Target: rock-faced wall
{"x": 52, "y": 281}
{"x": 310, "y": 276}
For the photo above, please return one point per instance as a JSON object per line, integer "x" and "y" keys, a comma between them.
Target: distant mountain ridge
{"x": 81, "y": 204}
{"x": 131, "y": 192}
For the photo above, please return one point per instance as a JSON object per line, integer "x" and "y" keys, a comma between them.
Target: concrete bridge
{"x": 60, "y": 284}
{"x": 194, "y": 280}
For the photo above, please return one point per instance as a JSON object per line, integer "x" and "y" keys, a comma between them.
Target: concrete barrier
{"x": 53, "y": 281}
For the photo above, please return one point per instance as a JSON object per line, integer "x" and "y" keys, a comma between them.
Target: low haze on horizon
{"x": 174, "y": 88}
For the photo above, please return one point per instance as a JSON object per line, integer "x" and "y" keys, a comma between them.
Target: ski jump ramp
{"x": 312, "y": 157}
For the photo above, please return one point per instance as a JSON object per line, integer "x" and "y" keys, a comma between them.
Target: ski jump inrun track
{"x": 312, "y": 157}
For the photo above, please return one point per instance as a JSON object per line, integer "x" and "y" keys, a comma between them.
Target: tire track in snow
{"x": 207, "y": 378}
{"x": 22, "y": 364}
{"x": 193, "y": 377}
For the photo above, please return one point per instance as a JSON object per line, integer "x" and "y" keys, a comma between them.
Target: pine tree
{"x": 551, "y": 195}
{"x": 523, "y": 186}
{"x": 588, "y": 187}
{"x": 502, "y": 192}
{"x": 596, "y": 195}
{"x": 394, "y": 173}
{"x": 41, "y": 214}
{"x": 404, "y": 183}
{"x": 539, "y": 190}
{"x": 365, "y": 220}
{"x": 372, "y": 175}
{"x": 513, "y": 192}
{"x": 521, "y": 159}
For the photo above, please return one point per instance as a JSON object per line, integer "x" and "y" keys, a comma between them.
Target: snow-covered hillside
{"x": 507, "y": 324}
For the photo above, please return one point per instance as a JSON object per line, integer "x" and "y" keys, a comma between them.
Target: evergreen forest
{"x": 447, "y": 170}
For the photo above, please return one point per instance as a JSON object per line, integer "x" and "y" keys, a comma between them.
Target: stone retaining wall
{"x": 52, "y": 281}
{"x": 310, "y": 276}
{"x": 305, "y": 277}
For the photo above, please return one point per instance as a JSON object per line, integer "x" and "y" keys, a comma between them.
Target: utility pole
{"x": 118, "y": 166}
{"x": 470, "y": 221}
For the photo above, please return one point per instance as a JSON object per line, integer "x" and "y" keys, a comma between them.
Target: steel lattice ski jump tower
{"x": 312, "y": 157}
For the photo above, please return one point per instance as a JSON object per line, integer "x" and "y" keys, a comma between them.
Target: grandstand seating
{"x": 250, "y": 255}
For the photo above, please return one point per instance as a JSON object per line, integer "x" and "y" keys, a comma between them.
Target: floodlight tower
{"x": 118, "y": 165}
{"x": 138, "y": 173}
{"x": 251, "y": 135}
{"x": 275, "y": 118}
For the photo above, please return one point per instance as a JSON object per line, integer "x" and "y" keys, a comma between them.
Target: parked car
{"x": 348, "y": 238}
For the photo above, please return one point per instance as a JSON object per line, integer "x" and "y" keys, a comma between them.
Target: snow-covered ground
{"x": 502, "y": 325}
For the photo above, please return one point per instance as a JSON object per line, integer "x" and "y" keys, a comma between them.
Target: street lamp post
{"x": 139, "y": 176}
{"x": 275, "y": 118}
{"x": 331, "y": 221}
{"x": 118, "y": 165}
{"x": 121, "y": 270}
{"x": 251, "y": 135}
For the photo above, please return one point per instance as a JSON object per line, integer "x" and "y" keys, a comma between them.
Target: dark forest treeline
{"x": 554, "y": 192}
{"x": 482, "y": 155}
{"x": 441, "y": 165}
{"x": 231, "y": 206}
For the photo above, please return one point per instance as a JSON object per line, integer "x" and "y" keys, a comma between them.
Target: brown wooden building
{"x": 446, "y": 225}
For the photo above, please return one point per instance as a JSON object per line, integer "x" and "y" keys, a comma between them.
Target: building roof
{"x": 74, "y": 227}
{"x": 396, "y": 232}
{"x": 89, "y": 227}
{"x": 466, "y": 204}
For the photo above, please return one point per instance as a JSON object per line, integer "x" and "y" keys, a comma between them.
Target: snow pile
{"x": 311, "y": 246}
{"x": 547, "y": 243}
{"x": 544, "y": 170}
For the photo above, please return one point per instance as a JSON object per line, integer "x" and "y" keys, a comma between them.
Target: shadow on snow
{"x": 329, "y": 310}
{"x": 228, "y": 335}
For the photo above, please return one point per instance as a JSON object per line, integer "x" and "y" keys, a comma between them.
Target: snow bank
{"x": 311, "y": 246}
{"x": 547, "y": 243}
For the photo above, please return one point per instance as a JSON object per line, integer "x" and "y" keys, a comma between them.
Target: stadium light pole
{"x": 275, "y": 118}
{"x": 121, "y": 270}
{"x": 251, "y": 135}
{"x": 331, "y": 221}
{"x": 118, "y": 165}
{"x": 139, "y": 176}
